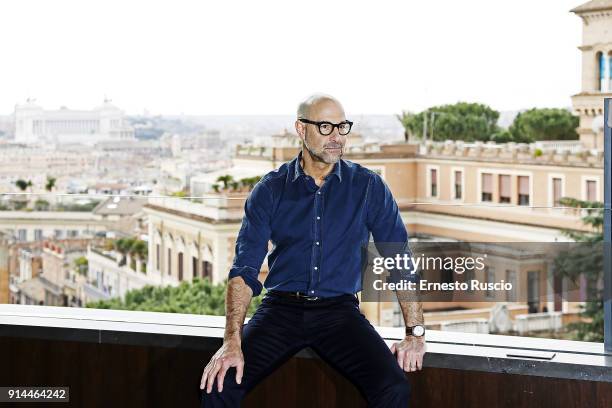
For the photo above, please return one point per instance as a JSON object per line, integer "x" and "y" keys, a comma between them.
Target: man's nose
{"x": 334, "y": 135}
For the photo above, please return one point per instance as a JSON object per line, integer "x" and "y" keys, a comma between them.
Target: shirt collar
{"x": 298, "y": 171}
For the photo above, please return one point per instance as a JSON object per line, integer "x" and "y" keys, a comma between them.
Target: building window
{"x": 180, "y": 266}
{"x": 157, "y": 257}
{"x": 490, "y": 280}
{"x": 207, "y": 270}
{"x": 601, "y": 58}
{"x": 22, "y": 234}
{"x": 523, "y": 190}
{"x": 533, "y": 291}
{"x": 458, "y": 185}
{"x": 591, "y": 190}
{"x": 610, "y": 71}
{"x": 433, "y": 186}
{"x": 194, "y": 267}
{"x": 556, "y": 191}
{"x": 487, "y": 187}
{"x": 511, "y": 278}
{"x": 169, "y": 261}
{"x": 504, "y": 188}
{"x": 38, "y": 235}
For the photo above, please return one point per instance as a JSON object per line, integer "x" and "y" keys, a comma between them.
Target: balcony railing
{"x": 131, "y": 358}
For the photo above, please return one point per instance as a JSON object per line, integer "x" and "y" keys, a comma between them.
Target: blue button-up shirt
{"x": 317, "y": 233}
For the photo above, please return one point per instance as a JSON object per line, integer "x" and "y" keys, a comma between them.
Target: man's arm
{"x": 411, "y": 350}
{"x": 229, "y": 355}
{"x": 389, "y": 233}
{"x": 237, "y": 302}
{"x": 251, "y": 249}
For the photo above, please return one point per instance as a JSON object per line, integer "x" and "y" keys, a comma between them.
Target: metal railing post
{"x": 607, "y": 298}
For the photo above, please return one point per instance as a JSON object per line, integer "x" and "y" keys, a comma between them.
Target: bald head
{"x": 317, "y": 104}
{"x": 317, "y": 108}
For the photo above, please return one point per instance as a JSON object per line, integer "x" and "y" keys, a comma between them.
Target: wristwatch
{"x": 416, "y": 331}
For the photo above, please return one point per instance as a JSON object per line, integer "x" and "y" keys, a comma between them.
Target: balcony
{"x": 216, "y": 207}
{"x": 113, "y": 358}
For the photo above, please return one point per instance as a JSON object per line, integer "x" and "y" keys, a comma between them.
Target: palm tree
{"x": 250, "y": 182}
{"x": 50, "y": 183}
{"x": 123, "y": 245}
{"x": 20, "y": 201}
{"x": 22, "y": 184}
{"x": 226, "y": 180}
{"x": 138, "y": 250}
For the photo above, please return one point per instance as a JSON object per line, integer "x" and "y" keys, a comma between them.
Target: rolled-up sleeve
{"x": 253, "y": 237}
{"x": 387, "y": 227}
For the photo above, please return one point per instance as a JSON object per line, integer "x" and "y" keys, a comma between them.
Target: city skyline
{"x": 193, "y": 60}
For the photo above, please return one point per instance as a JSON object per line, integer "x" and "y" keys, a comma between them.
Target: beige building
{"x": 193, "y": 239}
{"x": 111, "y": 274}
{"x": 596, "y": 51}
{"x": 450, "y": 191}
{"x": 43, "y": 272}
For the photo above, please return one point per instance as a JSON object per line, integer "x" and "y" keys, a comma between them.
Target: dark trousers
{"x": 335, "y": 329}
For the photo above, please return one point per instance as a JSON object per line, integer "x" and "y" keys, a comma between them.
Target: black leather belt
{"x": 294, "y": 295}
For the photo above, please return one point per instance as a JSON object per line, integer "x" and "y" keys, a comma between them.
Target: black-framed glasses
{"x": 326, "y": 128}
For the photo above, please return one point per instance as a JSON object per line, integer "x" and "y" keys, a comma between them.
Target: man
{"x": 318, "y": 210}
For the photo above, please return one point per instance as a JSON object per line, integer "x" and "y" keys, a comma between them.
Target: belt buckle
{"x": 300, "y": 295}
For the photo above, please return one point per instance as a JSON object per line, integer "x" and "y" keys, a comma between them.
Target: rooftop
{"x": 593, "y": 5}
{"x": 125, "y": 355}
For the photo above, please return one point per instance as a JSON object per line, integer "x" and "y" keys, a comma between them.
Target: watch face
{"x": 418, "y": 330}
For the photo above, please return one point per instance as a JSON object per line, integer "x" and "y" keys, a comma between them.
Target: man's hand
{"x": 229, "y": 355}
{"x": 410, "y": 352}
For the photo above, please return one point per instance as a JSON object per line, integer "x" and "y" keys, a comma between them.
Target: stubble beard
{"x": 321, "y": 155}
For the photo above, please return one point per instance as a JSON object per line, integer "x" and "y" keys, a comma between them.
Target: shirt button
{"x": 312, "y": 291}
{"x": 316, "y": 268}
{"x": 318, "y": 218}
{"x": 317, "y": 242}
{"x": 318, "y": 192}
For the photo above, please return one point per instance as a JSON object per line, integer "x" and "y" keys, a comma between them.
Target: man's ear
{"x": 300, "y": 129}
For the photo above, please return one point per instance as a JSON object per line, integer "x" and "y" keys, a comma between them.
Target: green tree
{"x": 50, "y": 183}
{"x": 81, "y": 265}
{"x": 409, "y": 123}
{"x": 502, "y": 136}
{"x": 460, "y": 121}
{"x": 138, "y": 250}
{"x": 41, "y": 205}
{"x": 226, "y": 180}
{"x": 22, "y": 184}
{"x": 584, "y": 261}
{"x": 123, "y": 246}
{"x": 250, "y": 181}
{"x": 197, "y": 297}
{"x": 544, "y": 124}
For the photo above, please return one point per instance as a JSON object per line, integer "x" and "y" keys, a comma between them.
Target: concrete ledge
{"x": 461, "y": 351}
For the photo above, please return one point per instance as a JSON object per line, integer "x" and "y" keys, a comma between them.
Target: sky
{"x": 264, "y": 57}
